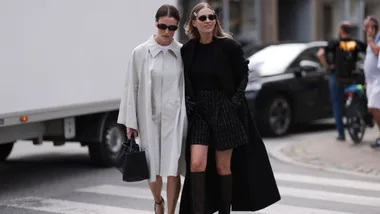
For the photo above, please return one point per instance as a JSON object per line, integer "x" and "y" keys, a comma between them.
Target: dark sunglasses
{"x": 204, "y": 17}
{"x": 170, "y": 27}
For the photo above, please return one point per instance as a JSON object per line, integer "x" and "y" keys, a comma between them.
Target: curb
{"x": 276, "y": 153}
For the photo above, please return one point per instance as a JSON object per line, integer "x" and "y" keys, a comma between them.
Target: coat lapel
{"x": 188, "y": 61}
{"x": 190, "y": 53}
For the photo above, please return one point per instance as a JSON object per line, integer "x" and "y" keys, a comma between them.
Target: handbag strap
{"x": 132, "y": 143}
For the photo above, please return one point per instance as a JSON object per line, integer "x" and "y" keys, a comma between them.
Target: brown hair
{"x": 374, "y": 21}
{"x": 169, "y": 11}
{"x": 193, "y": 32}
{"x": 346, "y": 27}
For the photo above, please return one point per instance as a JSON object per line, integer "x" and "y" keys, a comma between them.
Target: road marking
{"x": 68, "y": 207}
{"x": 144, "y": 193}
{"x": 352, "y": 184}
{"x": 324, "y": 181}
{"x": 330, "y": 196}
{"x": 281, "y": 209}
{"x": 122, "y": 191}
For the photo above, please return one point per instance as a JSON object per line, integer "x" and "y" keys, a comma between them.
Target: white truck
{"x": 62, "y": 70}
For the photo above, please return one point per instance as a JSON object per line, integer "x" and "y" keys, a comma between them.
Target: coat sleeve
{"x": 240, "y": 68}
{"x": 128, "y": 104}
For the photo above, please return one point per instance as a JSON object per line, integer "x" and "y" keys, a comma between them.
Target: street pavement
{"x": 46, "y": 179}
{"x": 320, "y": 150}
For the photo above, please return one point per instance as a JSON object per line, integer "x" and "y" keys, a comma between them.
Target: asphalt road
{"x": 46, "y": 179}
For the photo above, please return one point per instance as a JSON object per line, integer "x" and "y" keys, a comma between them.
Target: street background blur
{"x": 271, "y": 21}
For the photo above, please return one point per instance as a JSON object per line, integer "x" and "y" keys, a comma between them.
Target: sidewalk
{"x": 322, "y": 151}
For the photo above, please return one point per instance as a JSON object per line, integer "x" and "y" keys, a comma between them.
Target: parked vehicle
{"x": 62, "y": 71}
{"x": 288, "y": 86}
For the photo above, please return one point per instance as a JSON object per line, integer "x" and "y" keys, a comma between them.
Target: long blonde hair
{"x": 193, "y": 32}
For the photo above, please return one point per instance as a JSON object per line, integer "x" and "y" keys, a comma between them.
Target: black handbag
{"x": 131, "y": 162}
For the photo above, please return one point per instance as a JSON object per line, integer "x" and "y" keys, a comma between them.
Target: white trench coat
{"x": 153, "y": 103}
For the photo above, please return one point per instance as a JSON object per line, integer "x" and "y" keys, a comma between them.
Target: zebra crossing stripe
{"x": 144, "y": 193}
{"x": 330, "y": 196}
{"x": 306, "y": 179}
{"x": 323, "y": 181}
{"x": 68, "y": 207}
{"x": 122, "y": 191}
{"x": 281, "y": 209}
{"x": 71, "y": 207}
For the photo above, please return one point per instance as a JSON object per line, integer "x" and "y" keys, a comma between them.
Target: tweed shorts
{"x": 218, "y": 125}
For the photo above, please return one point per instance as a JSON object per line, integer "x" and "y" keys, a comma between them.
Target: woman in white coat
{"x": 153, "y": 106}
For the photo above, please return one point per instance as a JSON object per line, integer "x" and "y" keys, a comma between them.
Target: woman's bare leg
{"x": 223, "y": 162}
{"x": 172, "y": 190}
{"x": 198, "y": 158}
{"x": 156, "y": 188}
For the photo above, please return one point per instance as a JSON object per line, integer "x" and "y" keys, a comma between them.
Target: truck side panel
{"x": 63, "y": 53}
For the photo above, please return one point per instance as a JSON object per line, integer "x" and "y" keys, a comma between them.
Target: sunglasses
{"x": 170, "y": 27}
{"x": 210, "y": 17}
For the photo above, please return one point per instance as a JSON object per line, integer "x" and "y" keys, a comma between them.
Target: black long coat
{"x": 254, "y": 185}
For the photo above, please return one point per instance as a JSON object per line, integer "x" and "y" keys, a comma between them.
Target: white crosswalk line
{"x": 134, "y": 192}
{"x": 330, "y": 196}
{"x": 123, "y": 191}
{"x": 323, "y": 181}
{"x": 281, "y": 209}
{"x": 353, "y": 184}
{"x": 72, "y": 207}
{"x": 68, "y": 207}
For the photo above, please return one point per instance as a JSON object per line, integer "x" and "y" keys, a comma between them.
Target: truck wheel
{"x": 5, "y": 151}
{"x": 104, "y": 153}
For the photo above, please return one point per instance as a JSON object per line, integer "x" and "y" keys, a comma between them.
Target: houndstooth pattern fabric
{"x": 219, "y": 126}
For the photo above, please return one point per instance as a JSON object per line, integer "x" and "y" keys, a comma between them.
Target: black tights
{"x": 198, "y": 193}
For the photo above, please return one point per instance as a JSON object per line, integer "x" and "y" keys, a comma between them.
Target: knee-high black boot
{"x": 198, "y": 192}
{"x": 226, "y": 194}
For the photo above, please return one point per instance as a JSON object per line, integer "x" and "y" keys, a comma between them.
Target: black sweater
{"x": 203, "y": 72}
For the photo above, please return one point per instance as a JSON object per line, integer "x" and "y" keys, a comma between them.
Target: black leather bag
{"x": 132, "y": 162}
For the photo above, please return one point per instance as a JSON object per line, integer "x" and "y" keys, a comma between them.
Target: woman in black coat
{"x": 227, "y": 162}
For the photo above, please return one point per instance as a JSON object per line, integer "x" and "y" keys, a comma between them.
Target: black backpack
{"x": 349, "y": 51}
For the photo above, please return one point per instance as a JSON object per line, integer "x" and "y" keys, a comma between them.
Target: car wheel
{"x": 277, "y": 117}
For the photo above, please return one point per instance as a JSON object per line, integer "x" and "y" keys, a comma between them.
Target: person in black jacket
{"x": 343, "y": 63}
{"x": 227, "y": 162}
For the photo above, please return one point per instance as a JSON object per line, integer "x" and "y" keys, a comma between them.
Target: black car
{"x": 287, "y": 86}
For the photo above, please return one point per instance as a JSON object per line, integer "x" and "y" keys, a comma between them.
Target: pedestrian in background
{"x": 227, "y": 162}
{"x": 372, "y": 70}
{"x": 344, "y": 51}
{"x": 153, "y": 105}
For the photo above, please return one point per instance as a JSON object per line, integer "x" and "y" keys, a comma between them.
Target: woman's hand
{"x": 131, "y": 132}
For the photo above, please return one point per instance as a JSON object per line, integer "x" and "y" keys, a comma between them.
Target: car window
{"x": 274, "y": 59}
{"x": 308, "y": 54}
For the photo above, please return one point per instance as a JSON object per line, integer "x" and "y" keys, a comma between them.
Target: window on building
{"x": 242, "y": 21}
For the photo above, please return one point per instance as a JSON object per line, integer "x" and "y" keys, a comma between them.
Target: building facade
{"x": 271, "y": 21}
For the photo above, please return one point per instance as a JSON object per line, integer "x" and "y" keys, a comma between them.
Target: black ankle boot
{"x": 226, "y": 194}
{"x": 198, "y": 192}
